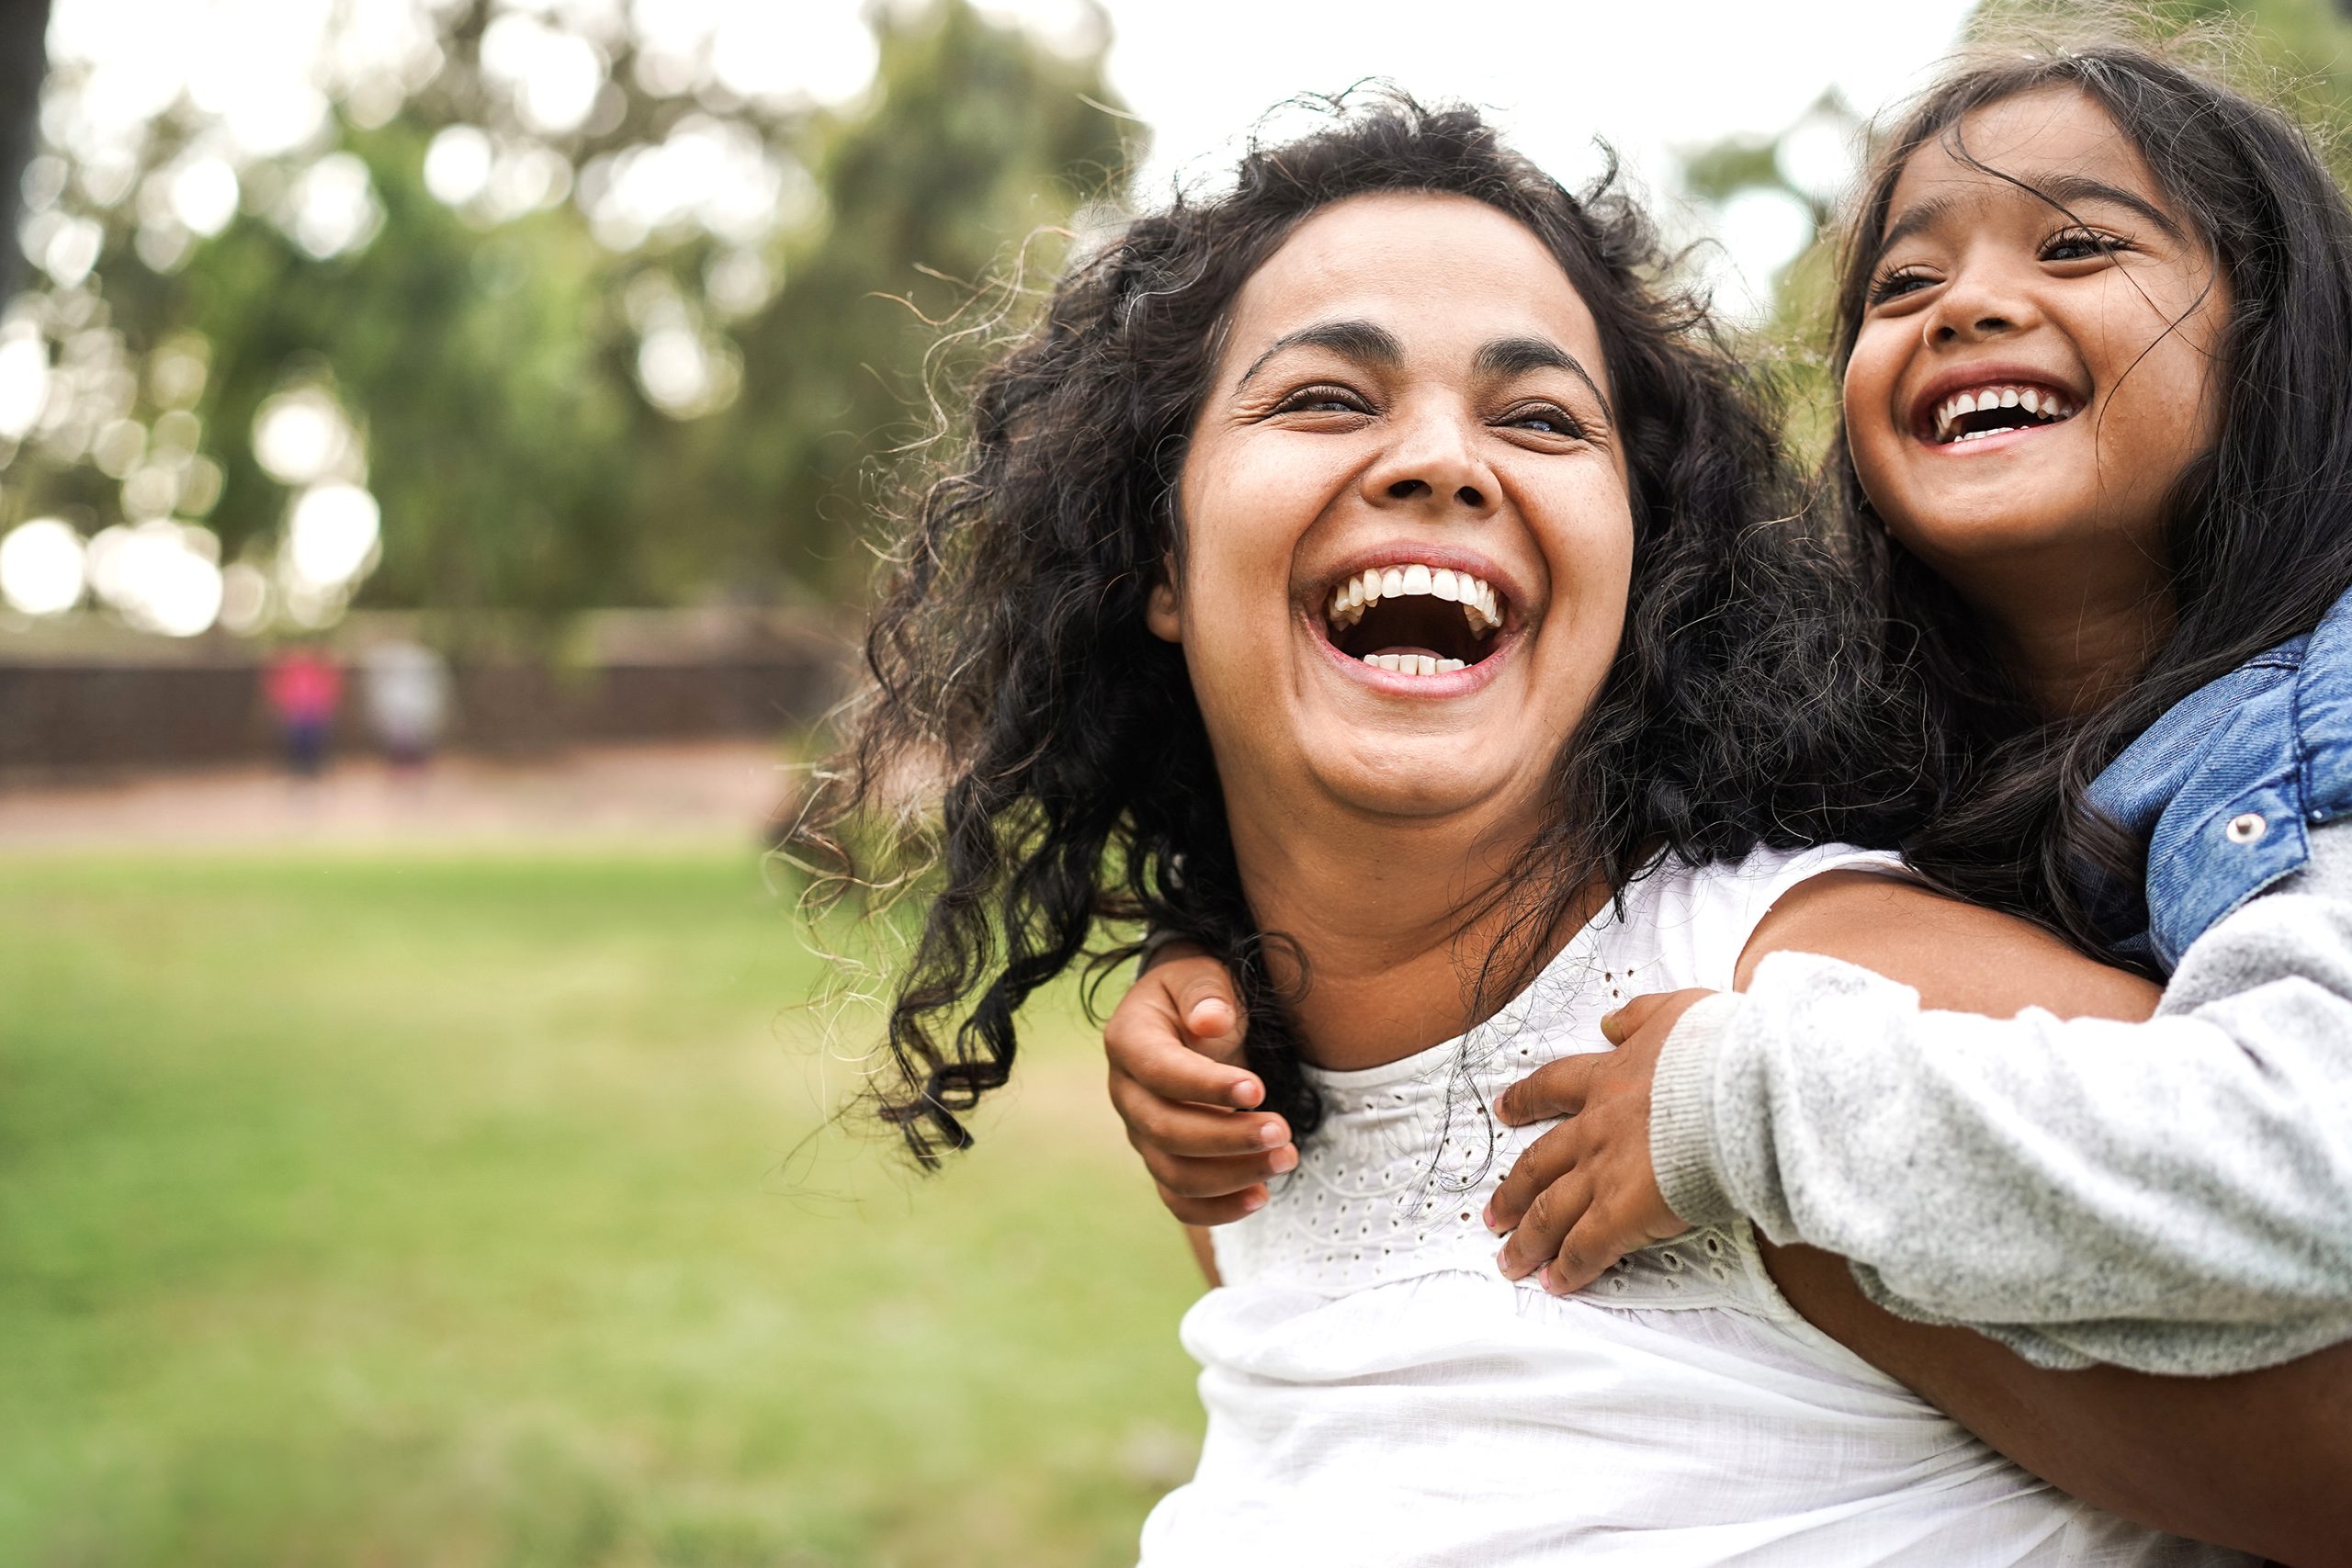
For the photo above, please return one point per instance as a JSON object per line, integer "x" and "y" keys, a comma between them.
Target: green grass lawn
{"x": 388, "y": 1210}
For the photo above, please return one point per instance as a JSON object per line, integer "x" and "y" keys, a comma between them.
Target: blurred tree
{"x": 986, "y": 143}
{"x": 2296, "y": 51}
{"x": 23, "y": 28}
{"x": 589, "y": 317}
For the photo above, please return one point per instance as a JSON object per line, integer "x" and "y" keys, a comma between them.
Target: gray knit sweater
{"x": 2174, "y": 1196}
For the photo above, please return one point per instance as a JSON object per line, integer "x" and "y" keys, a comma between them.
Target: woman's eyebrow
{"x": 1517, "y": 355}
{"x": 1367, "y": 343}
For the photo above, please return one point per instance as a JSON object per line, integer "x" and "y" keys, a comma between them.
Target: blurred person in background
{"x": 407, "y": 691}
{"x": 304, "y": 688}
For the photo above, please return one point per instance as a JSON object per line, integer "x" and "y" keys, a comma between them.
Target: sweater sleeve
{"x": 2174, "y": 1196}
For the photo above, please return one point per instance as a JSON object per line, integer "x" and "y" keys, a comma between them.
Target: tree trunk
{"x": 24, "y": 61}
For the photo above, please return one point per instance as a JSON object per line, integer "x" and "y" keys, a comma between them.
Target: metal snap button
{"x": 2246, "y": 828}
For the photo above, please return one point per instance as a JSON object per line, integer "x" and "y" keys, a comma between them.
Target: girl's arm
{"x": 2261, "y": 1460}
{"x": 2172, "y": 1196}
{"x": 1174, "y": 1048}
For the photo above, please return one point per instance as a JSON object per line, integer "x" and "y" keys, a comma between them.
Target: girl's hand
{"x": 1584, "y": 1195}
{"x": 1174, "y": 1043}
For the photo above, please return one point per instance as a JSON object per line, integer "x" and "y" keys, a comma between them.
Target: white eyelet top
{"x": 1378, "y": 1393}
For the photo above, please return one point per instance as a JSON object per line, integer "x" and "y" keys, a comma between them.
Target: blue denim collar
{"x": 2225, "y": 788}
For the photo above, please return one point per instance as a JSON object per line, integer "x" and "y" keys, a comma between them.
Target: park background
{"x": 431, "y": 1161}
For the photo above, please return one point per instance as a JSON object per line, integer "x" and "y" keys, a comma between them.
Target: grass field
{"x": 395, "y": 1210}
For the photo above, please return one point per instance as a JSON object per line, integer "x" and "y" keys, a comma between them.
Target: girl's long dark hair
{"x": 1015, "y": 684}
{"x": 2259, "y": 528}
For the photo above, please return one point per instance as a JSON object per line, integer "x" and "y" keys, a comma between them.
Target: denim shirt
{"x": 2226, "y": 785}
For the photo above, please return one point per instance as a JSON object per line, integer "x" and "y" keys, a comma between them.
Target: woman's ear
{"x": 1162, "y": 614}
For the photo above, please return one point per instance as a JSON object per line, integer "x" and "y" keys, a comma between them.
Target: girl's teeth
{"x": 1392, "y": 583}
{"x": 2047, "y": 407}
{"x": 1441, "y": 584}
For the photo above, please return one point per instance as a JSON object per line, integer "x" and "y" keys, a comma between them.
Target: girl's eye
{"x": 2080, "y": 244}
{"x": 1322, "y": 399}
{"x": 1544, "y": 419}
{"x": 1895, "y": 282}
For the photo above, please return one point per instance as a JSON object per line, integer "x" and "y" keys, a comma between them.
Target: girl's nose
{"x": 1982, "y": 302}
{"x": 1433, "y": 463}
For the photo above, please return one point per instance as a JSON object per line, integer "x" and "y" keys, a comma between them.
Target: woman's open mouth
{"x": 1997, "y": 409}
{"x": 1414, "y": 619}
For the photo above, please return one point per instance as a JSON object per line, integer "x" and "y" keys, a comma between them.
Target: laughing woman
{"x": 1360, "y": 575}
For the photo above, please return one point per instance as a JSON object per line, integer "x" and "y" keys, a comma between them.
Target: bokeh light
{"x": 160, "y": 575}
{"x": 332, "y": 208}
{"x": 1817, "y": 155}
{"x": 331, "y": 536}
{"x": 456, "y": 164}
{"x": 40, "y": 567}
{"x": 301, "y": 436}
{"x": 23, "y": 378}
{"x": 202, "y": 191}
{"x": 1767, "y": 229}
{"x": 245, "y": 598}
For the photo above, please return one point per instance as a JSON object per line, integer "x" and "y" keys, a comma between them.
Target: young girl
{"x": 1359, "y": 574}
{"x": 2094, "y": 331}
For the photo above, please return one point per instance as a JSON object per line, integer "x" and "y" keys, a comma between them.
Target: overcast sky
{"x": 1673, "y": 73}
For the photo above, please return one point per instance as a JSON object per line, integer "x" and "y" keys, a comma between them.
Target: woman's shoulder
{"x": 1701, "y": 914}
{"x": 1758, "y": 879}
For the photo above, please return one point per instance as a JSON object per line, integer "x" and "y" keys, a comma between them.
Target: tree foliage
{"x": 558, "y": 410}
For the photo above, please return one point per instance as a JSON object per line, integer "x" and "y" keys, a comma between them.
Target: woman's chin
{"x": 1422, "y": 778}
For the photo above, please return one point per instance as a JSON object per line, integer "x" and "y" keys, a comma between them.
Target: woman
{"x": 1357, "y": 574}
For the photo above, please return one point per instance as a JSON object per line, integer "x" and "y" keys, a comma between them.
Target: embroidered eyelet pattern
{"x": 1394, "y": 1186}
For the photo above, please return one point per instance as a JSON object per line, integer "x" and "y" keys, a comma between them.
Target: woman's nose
{"x": 1432, "y": 463}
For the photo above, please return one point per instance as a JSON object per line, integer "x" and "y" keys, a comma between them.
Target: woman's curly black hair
{"x": 2258, "y": 529}
{"x": 1013, "y": 674}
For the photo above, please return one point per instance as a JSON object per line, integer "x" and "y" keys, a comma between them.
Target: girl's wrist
{"x": 1682, "y": 1142}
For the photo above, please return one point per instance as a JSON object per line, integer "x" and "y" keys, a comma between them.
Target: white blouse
{"x": 1379, "y": 1393}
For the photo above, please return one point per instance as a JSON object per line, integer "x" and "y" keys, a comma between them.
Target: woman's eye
{"x": 2080, "y": 244}
{"x": 1544, "y": 419}
{"x": 1894, "y": 284}
{"x": 1321, "y": 399}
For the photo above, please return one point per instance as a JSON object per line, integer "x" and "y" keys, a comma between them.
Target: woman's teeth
{"x": 1480, "y": 606}
{"x": 1414, "y": 663}
{"x": 1988, "y": 410}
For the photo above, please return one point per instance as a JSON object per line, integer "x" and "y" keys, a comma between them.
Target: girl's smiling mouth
{"x": 1410, "y": 622}
{"x": 1972, "y": 405}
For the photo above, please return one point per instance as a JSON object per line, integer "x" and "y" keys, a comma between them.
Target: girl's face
{"x": 2027, "y": 382}
{"x": 1407, "y": 531}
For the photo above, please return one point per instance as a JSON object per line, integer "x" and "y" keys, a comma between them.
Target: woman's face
{"x": 2027, "y": 381}
{"x": 1407, "y": 531}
